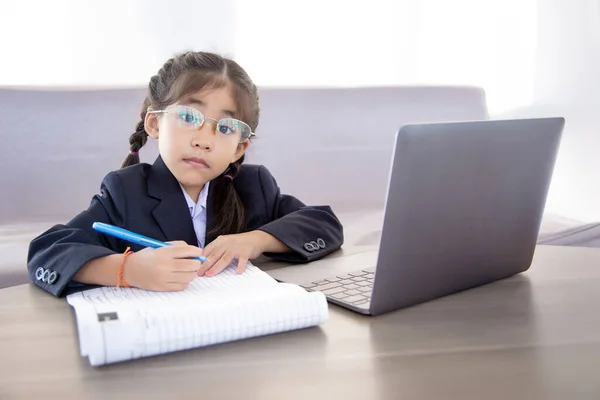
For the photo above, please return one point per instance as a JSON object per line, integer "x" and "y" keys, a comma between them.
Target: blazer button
{"x": 314, "y": 245}
{"x": 39, "y": 273}
{"x": 321, "y": 243}
{"x": 309, "y": 247}
{"x": 53, "y": 277}
{"x": 46, "y": 275}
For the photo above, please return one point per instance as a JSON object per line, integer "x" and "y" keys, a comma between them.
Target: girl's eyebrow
{"x": 192, "y": 101}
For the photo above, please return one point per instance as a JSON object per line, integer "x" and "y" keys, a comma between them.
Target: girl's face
{"x": 195, "y": 155}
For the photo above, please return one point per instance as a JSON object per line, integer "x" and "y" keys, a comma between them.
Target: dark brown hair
{"x": 183, "y": 75}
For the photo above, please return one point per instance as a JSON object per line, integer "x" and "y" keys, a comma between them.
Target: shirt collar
{"x": 195, "y": 208}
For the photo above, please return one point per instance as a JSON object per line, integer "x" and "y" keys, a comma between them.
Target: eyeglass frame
{"x": 166, "y": 111}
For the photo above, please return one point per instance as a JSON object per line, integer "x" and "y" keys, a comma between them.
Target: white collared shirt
{"x": 198, "y": 213}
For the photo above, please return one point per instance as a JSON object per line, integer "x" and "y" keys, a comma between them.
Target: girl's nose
{"x": 205, "y": 136}
{"x": 203, "y": 144}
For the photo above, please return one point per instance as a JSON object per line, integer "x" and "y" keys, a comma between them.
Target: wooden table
{"x": 533, "y": 336}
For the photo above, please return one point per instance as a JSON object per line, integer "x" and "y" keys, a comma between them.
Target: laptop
{"x": 463, "y": 208}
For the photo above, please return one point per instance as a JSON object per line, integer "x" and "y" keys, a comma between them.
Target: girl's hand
{"x": 167, "y": 269}
{"x": 243, "y": 246}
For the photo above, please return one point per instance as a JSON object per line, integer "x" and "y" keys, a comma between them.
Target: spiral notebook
{"x": 120, "y": 324}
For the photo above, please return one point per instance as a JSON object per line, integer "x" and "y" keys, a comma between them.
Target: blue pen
{"x": 133, "y": 237}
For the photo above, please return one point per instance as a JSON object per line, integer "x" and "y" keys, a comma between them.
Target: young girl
{"x": 203, "y": 110}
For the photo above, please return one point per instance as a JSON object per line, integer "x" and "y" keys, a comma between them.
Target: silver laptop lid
{"x": 464, "y": 205}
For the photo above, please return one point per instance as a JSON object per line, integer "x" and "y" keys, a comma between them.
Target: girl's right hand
{"x": 167, "y": 269}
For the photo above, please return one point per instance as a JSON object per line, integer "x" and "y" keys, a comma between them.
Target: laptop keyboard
{"x": 354, "y": 288}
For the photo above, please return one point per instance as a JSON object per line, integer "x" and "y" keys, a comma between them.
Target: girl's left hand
{"x": 243, "y": 246}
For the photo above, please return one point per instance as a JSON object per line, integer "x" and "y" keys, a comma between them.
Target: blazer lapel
{"x": 171, "y": 213}
{"x": 210, "y": 217}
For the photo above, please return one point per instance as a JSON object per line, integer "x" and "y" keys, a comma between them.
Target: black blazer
{"x": 147, "y": 199}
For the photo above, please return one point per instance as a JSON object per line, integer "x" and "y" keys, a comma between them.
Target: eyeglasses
{"x": 190, "y": 118}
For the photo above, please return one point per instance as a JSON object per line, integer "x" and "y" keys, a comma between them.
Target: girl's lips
{"x": 196, "y": 162}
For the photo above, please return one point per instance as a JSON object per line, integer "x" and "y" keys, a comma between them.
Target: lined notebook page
{"x": 121, "y": 324}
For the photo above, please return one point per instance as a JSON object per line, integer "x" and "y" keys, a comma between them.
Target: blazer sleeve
{"x": 56, "y": 255}
{"x": 310, "y": 232}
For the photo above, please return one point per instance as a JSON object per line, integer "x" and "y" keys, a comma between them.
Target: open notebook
{"x": 119, "y": 324}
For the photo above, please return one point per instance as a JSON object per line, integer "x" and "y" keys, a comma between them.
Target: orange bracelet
{"x": 120, "y": 279}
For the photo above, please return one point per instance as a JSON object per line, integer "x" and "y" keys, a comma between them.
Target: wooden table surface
{"x": 533, "y": 336}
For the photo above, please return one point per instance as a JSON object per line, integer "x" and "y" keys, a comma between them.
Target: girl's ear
{"x": 151, "y": 125}
{"x": 239, "y": 152}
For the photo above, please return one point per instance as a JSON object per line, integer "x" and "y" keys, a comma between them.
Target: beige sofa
{"x": 326, "y": 146}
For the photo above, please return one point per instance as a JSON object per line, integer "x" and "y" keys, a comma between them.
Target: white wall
{"x": 110, "y": 42}
{"x": 285, "y": 43}
{"x": 489, "y": 44}
{"x": 568, "y": 84}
